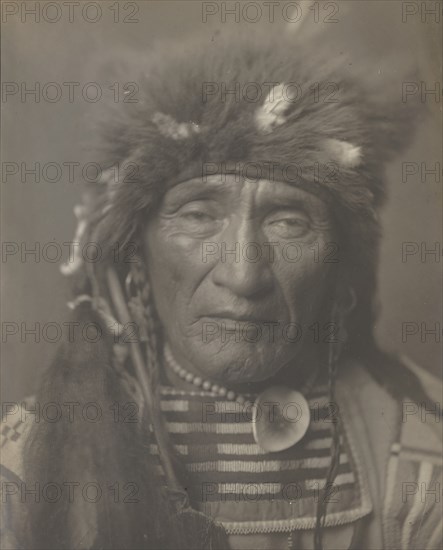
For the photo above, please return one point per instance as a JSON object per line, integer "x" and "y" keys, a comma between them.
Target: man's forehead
{"x": 235, "y": 183}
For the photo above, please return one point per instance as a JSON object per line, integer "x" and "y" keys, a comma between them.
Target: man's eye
{"x": 292, "y": 222}
{"x": 196, "y": 215}
{"x": 198, "y": 218}
{"x": 288, "y": 227}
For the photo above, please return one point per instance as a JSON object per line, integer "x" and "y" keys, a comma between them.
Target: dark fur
{"x": 105, "y": 452}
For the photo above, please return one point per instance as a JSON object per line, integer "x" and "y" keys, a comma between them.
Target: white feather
{"x": 173, "y": 129}
{"x": 270, "y": 114}
{"x": 344, "y": 153}
{"x": 71, "y": 267}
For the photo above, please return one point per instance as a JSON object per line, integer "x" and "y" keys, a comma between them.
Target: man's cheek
{"x": 170, "y": 264}
{"x": 186, "y": 257}
{"x": 304, "y": 292}
{"x": 295, "y": 276}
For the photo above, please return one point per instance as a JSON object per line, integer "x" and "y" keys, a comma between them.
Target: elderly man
{"x": 244, "y": 402}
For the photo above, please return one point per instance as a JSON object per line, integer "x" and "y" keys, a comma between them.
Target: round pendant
{"x": 280, "y": 418}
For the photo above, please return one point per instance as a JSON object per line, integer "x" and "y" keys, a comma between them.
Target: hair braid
{"x": 143, "y": 311}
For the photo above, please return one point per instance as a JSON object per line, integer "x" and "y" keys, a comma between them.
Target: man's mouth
{"x": 229, "y": 316}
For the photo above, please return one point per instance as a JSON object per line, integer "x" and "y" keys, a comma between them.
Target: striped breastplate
{"x": 232, "y": 480}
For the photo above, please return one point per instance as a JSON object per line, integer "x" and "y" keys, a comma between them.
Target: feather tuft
{"x": 270, "y": 114}
{"x": 71, "y": 266}
{"x": 168, "y": 127}
{"x": 346, "y": 154}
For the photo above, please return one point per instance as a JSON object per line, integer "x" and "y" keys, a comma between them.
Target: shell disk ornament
{"x": 280, "y": 418}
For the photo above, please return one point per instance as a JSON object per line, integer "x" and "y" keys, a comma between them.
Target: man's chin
{"x": 237, "y": 362}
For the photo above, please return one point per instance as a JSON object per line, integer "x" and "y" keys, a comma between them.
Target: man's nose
{"x": 243, "y": 263}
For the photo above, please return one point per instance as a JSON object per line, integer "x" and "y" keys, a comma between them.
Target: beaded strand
{"x": 198, "y": 381}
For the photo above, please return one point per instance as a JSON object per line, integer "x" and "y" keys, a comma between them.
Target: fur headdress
{"x": 233, "y": 103}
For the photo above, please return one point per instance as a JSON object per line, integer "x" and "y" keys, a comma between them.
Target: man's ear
{"x": 346, "y": 299}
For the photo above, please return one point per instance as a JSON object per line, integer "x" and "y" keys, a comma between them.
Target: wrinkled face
{"x": 240, "y": 270}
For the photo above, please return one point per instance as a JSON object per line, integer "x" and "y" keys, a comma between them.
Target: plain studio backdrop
{"x": 63, "y": 51}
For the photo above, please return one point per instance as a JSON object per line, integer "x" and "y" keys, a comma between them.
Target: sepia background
{"x": 62, "y": 51}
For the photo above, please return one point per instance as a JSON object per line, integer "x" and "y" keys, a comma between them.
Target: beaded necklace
{"x": 280, "y": 415}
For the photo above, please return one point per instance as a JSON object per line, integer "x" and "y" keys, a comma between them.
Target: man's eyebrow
{"x": 282, "y": 196}
{"x": 282, "y": 202}
{"x": 297, "y": 197}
